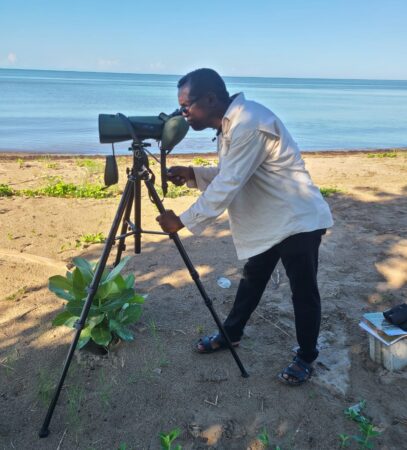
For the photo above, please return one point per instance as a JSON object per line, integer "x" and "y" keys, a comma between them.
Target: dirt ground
{"x": 157, "y": 382}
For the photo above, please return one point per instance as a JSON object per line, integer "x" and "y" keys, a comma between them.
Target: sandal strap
{"x": 306, "y": 367}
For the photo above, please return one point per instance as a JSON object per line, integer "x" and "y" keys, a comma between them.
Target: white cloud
{"x": 105, "y": 64}
{"x": 157, "y": 66}
{"x": 11, "y": 58}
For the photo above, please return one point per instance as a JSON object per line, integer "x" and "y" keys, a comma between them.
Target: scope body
{"x": 112, "y": 129}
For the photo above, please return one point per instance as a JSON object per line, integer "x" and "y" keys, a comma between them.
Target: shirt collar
{"x": 233, "y": 110}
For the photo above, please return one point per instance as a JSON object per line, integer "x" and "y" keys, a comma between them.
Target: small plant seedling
{"x": 344, "y": 440}
{"x": 91, "y": 238}
{"x": 366, "y": 428}
{"x": 20, "y": 163}
{"x": 198, "y": 161}
{"x": 166, "y": 440}
{"x": 6, "y": 191}
{"x": 328, "y": 191}
{"x": 264, "y": 438}
{"x": 15, "y": 296}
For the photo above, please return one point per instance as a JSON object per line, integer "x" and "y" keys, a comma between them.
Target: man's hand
{"x": 169, "y": 222}
{"x": 179, "y": 175}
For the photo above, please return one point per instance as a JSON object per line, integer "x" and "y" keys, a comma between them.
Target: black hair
{"x": 203, "y": 81}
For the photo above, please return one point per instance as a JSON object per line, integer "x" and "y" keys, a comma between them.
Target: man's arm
{"x": 244, "y": 156}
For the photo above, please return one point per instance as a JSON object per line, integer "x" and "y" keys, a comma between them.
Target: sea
{"x": 57, "y": 111}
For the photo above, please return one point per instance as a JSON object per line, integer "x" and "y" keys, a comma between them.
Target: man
{"x": 275, "y": 211}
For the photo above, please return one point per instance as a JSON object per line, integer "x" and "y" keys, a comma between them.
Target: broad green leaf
{"x": 112, "y": 305}
{"x": 84, "y": 337}
{"x": 69, "y": 276}
{"x": 60, "y": 282}
{"x": 95, "y": 320}
{"x": 116, "y": 301}
{"x": 119, "y": 284}
{"x": 83, "y": 264}
{"x": 75, "y": 307}
{"x": 101, "y": 335}
{"x": 71, "y": 322}
{"x": 61, "y": 293}
{"x": 105, "y": 289}
{"x": 79, "y": 284}
{"x": 130, "y": 315}
{"x": 113, "y": 274}
{"x": 122, "y": 331}
{"x": 61, "y": 318}
{"x": 85, "y": 269}
{"x": 139, "y": 299}
{"x": 129, "y": 280}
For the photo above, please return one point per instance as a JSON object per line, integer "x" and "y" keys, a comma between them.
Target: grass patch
{"x": 69, "y": 190}
{"x": 5, "y": 190}
{"x": 91, "y": 238}
{"x": 328, "y": 191}
{"x": 45, "y": 386}
{"x": 90, "y": 164}
{"x": 15, "y": 296}
{"x": 201, "y": 162}
{"x": 390, "y": 154}
{"x": 176, "y": 191}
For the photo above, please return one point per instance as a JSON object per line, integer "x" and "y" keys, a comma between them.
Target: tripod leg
{"x": 195, "y": 276}
{"x": 121, "y": 246}
{"x": 137, "y": 215}
{"x": 44, "y": 432}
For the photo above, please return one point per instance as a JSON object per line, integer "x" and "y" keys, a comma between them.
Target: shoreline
{"x": 12, "y": 155}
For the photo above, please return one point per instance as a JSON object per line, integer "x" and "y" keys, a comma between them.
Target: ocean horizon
{"x": 50, "y": 111}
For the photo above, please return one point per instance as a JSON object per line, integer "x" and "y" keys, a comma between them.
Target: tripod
{"x": 132, "y": 197}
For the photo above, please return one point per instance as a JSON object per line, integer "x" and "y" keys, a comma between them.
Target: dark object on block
{"x": 397, "y": 316}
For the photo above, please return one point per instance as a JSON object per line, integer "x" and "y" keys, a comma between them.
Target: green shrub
{"x": 86, "y": 239}
{"x": 200, "y": 162}
{"x": 390, "y": 154}
{"x": 114, "y": 307}
{"x": 5, "y": 190}
{"x": 90, "y": 164}
{"x": 326, "y": 192}
{"x": 69, "y": 190}
{"x": 176, "y": 191}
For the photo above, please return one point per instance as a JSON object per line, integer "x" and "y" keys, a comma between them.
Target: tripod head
{"x": 169, "y": 129}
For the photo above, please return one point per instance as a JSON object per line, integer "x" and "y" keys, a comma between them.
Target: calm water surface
{"x": 55, "y": 111}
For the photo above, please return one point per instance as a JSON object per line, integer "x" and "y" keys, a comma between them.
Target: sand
{"x": 157, "y": 383}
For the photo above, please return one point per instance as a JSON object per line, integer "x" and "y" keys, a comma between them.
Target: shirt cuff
{"x": 188, "y": 218}
{"x": 192, "y": 183}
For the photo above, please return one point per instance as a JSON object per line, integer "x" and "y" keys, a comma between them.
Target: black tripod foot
{"x": 44, "y": 432}
{"x": 245, "y": 374}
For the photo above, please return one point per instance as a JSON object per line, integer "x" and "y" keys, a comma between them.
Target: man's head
{"x": 203, "y": 98}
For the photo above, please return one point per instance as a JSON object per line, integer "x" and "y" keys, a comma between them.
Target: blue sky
{"x": 309, "y": 38}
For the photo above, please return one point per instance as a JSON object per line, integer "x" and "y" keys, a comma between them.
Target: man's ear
{"x": 212, "y": 98}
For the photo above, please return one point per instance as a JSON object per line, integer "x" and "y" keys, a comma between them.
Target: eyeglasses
{"x": 185, "y": 109}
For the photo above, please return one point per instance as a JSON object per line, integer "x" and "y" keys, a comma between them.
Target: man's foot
{"x": 297, "y": 373}
{"x": 213, "y": 343}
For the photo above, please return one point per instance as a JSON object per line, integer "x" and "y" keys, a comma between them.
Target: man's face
{"x": 197, "y": 110}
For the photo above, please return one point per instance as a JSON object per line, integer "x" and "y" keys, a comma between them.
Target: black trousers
{"x": 299, "y": 255}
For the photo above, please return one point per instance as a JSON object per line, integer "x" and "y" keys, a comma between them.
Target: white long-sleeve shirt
{"x": 260, "y": 179}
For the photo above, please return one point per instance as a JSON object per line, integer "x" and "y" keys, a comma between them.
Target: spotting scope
{"x": 169, "y": 129}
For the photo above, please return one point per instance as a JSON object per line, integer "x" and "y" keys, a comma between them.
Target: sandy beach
{"x": 157, "y": 383}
